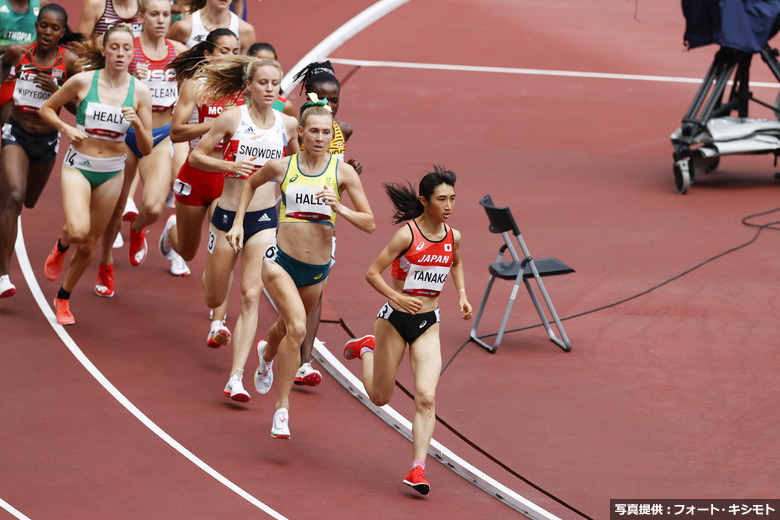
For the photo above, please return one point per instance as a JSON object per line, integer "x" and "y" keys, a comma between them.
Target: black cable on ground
{"x": 761, "y": 227}
{"x": 480, "y": 450}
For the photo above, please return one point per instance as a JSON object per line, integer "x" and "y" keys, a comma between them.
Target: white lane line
{"x": 8, "y": 507}
{"x": 43, "y": 304}
{"x": 531, "y": 72}
{"x": 444, "y": 455}
{"x": 341, "y": 35}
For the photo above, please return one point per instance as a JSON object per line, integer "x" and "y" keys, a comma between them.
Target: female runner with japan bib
{"x": 296, "y": 265}
{"x": 423, "y": 253}
{"x": 109, "y": 102}
{"x": 252, "y": 134}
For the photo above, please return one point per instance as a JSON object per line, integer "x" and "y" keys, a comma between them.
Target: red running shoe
{"x": 138, "y": 247}
{"x": 354, "y": 346}
{"x": 416, "y": 480}
{"x": 62, "y": 310}
{"x": 104, "y": 286}
{"x": 52, "y": 269}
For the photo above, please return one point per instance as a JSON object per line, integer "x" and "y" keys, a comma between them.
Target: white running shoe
{"x": 165, "y": 237}
{"x": 131, "y": 210}
{"x": 306, "y": 375}
{"x": 118, "y": 241}
{"x": 281, "y": 425}
{"x": 178, "y": 266}
{"x": 235, "y": 388}
{"x": 7, "y": 289}
{"x": 264, "y": 376}
{"x": 219, "y": 334}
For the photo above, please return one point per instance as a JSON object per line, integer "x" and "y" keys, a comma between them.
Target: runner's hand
{"x": 45, "y": 82}
{"x": 235, "y": 237}
{"x": 244, "y": 168}
{"x": 74, "y": 135}
{"x": 408, "y": 304}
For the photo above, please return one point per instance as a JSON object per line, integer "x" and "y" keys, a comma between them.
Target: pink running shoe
{"x": 354, "y": 346}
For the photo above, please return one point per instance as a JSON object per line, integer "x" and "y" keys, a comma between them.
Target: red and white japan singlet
{"x": 425, "y": 265}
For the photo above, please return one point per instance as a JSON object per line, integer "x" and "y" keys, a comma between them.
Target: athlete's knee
{"x": 79, "y": 235}
{"x": 296, "y": 331}
{"x": 250, "y": 295}
{"x": 14, "y": 200}
{"x": 187, "y": 253}
{"x": 380, "y": 398}
{"x": 213, "y": 300}
{"x": 425, "y": 399}
{"x": 154, "y": 210}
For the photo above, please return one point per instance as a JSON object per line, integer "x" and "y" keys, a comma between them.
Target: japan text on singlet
{"x": 425, "y": 265}
{"x": 29, "y": 97}
{"x": 162, "y": 83}
{"x": 299, "y": 200}
{"x": 100, "y": 120}
{"x": 250, "y": 141}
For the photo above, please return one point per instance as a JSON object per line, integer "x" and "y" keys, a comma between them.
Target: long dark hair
{"x": 187, "y": 63}
{"x": 406, "y": 202}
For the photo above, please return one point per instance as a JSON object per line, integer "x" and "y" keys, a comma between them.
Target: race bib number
{"x": 181, "y": 188}
{"x": 272, "y": 252}
{"x": 212, "y": 241}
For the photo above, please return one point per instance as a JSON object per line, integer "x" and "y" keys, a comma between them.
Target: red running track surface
{"x": 670, "y": 395}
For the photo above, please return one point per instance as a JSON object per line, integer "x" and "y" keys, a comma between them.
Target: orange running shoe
{"x": 104, "y": 286}
{"x": 52, "y": 269}
{"x": 62, "y": 309}
{"x": 138, "y": 247}
{"x": 416, "y": 480}
{"x": 354, "y": 346}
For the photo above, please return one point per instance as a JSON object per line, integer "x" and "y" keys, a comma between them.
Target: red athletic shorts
{"x": 194, "y": 187}
{"x": 6, "y": 91}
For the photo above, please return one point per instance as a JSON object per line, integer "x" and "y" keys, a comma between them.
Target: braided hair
{"x": 315, "y": 74}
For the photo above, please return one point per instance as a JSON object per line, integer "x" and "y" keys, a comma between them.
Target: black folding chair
{"x": 525, "y": 269}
